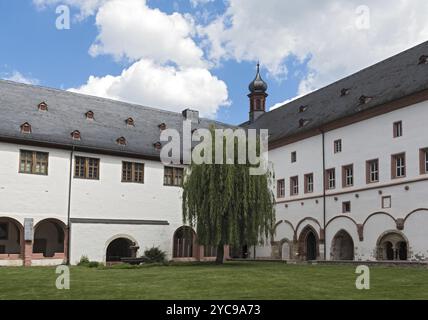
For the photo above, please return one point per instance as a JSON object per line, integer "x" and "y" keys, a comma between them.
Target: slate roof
{"x": 393, "y": 78}
{"x": 66, "y": 113}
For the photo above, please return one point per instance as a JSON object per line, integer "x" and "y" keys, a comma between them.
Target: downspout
{"x": 324, "y": 190}
{"x": 69, "y": 206}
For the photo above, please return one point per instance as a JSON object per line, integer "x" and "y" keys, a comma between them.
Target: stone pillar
{"x": 28, "y": 253}
{"x": 226, "y": 252}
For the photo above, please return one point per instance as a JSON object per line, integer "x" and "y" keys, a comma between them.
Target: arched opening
{"x": 342, "y": 246}
{"x": 184, "y": 245}
{"x": 308, "y": 244}
{"x": 286, "y": 251}
{"x": 392, "y": 246}
{"x": 11, "y": 239}
{"x": 49, "y": 236}
{"x": 121, "y": 248}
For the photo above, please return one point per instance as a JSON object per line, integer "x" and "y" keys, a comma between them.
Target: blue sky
{"x": 295, "y": 59}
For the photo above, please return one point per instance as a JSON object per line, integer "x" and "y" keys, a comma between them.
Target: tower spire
{"x": 257, "y": 95}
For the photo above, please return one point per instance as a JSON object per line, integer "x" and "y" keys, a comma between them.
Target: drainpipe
{"x": 69, "y": 206}
{"x": 323, "y": 191}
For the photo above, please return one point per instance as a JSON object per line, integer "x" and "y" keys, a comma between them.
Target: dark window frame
{"x": 176, "y": 176}
{"x": 86, "y": 164}
{"x": 309, "y": 183}
{"x": 337, "y": 146}
{"x": 370, "y": 173}
{"x": 346, "y": 207}
{"x": 398, "y": 129}
{"x": 294, "y": 186}
{"x": 395, "y": 166}
{"x": 280, "y": 188}
{"x": 136, "y": 174}
{"x": 38, "y": 159}
{"x": 347, "y": 180}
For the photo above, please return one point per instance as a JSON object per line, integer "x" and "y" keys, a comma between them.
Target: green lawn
{"x": 234, "y": 280}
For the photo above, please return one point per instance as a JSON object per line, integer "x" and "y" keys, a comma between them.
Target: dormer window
{"x": 157, "y": 145}
{"x": 89, "y": 115}
{"x": 364, "y": 99}
{"x": 303, "y": 122}
{"x": 42, "y": 106}
{"x": 423, "y": 59}
{"x": 121, "y": 141}
{"x": 162, "y": 126}
{"x": 303, "y": 108}
{"x": 344, "y": 92}
{"x": 130, "y": 122}
{"x": 25, "y": 128}
{"x": 76, "y": 135}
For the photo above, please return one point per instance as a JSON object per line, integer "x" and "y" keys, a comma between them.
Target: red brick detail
{"x": 400, "y": 224}
{"x": 28, "y": 253}
{"x": 360, "y": 229}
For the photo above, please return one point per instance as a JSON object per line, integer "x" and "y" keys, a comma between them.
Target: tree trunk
{"x": 220, "y": 254}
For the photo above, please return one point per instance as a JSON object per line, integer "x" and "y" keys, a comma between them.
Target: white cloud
{"x": 151, "y": 40}
{"x": 326, "y": 31}
{"x": 19, "y": 77}
{"x": 162, "y": 86}
{"x": 133, "y": 30}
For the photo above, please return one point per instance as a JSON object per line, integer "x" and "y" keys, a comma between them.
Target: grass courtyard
{"x": 234, "y": 280}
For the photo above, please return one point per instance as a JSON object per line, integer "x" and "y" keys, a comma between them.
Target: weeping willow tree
{"x": 227, "y": 205}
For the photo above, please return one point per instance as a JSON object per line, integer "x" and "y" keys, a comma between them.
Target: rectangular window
{"x": 347, "y": 176}
{"x": 294, "y": 185}
{"x": 330, "y": 179}
{"x": 132, "y": 172}
{"x": 372, "y": 171}
{"x": 293, "y": 157}
{"x": 346, "y": 207}
{"x": 338, "y": 146}
{"x": 173, "y": 176}
{"x": 309, "y": 183}
{"x": 280, "y": 188}
{"x": 423, "y": 156}
{"x": 33, "y": 162}
{"x": 398, "y": 129}
{"x": 386, "y": 202}
{"x": 398, "y": 165}
{"x": 87, "y": 168}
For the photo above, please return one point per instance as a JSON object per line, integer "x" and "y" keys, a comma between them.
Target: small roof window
{"x": 303, "y": 108}
{"x": 25, "y": 128}
{"x": 89, "y": 115}
{"x": 130, "y": 122}
{"x": 365, "y": 99}
{"x": 423, "y": 59}
{"x": 303, "y": 122}
{"x": 121, "y": 141}
{"x": 344, "y": 92}
{"x": 42, "y": 106}
{"x": 76, "y": 135}
{"x": 157, "y": 145}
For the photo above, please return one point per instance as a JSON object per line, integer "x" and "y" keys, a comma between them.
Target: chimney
{"x": 192, "y": 115}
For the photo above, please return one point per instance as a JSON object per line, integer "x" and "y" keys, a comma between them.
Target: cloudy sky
{"x": 201, "y": 53}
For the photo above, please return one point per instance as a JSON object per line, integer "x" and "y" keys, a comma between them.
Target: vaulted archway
{"x": 184, "y": 243}
{"x": 392, "y": 245}
{"x": 342, "y": 247}
{"x": 49, "y": 239}
{"x": 308, "y": 244}
{"x": 11, "y": 239}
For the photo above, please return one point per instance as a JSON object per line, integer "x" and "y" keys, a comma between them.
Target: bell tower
{"x": 257, "y": 96}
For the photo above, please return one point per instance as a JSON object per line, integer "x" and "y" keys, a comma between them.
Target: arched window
{"x": 342, "y": 246}
{"x": 49, "y": 236}
{"x": 392, "y": 246}
{"x": 120, "y": 248}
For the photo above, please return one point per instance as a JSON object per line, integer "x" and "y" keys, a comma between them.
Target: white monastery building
{"x": 82, "y": 176}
